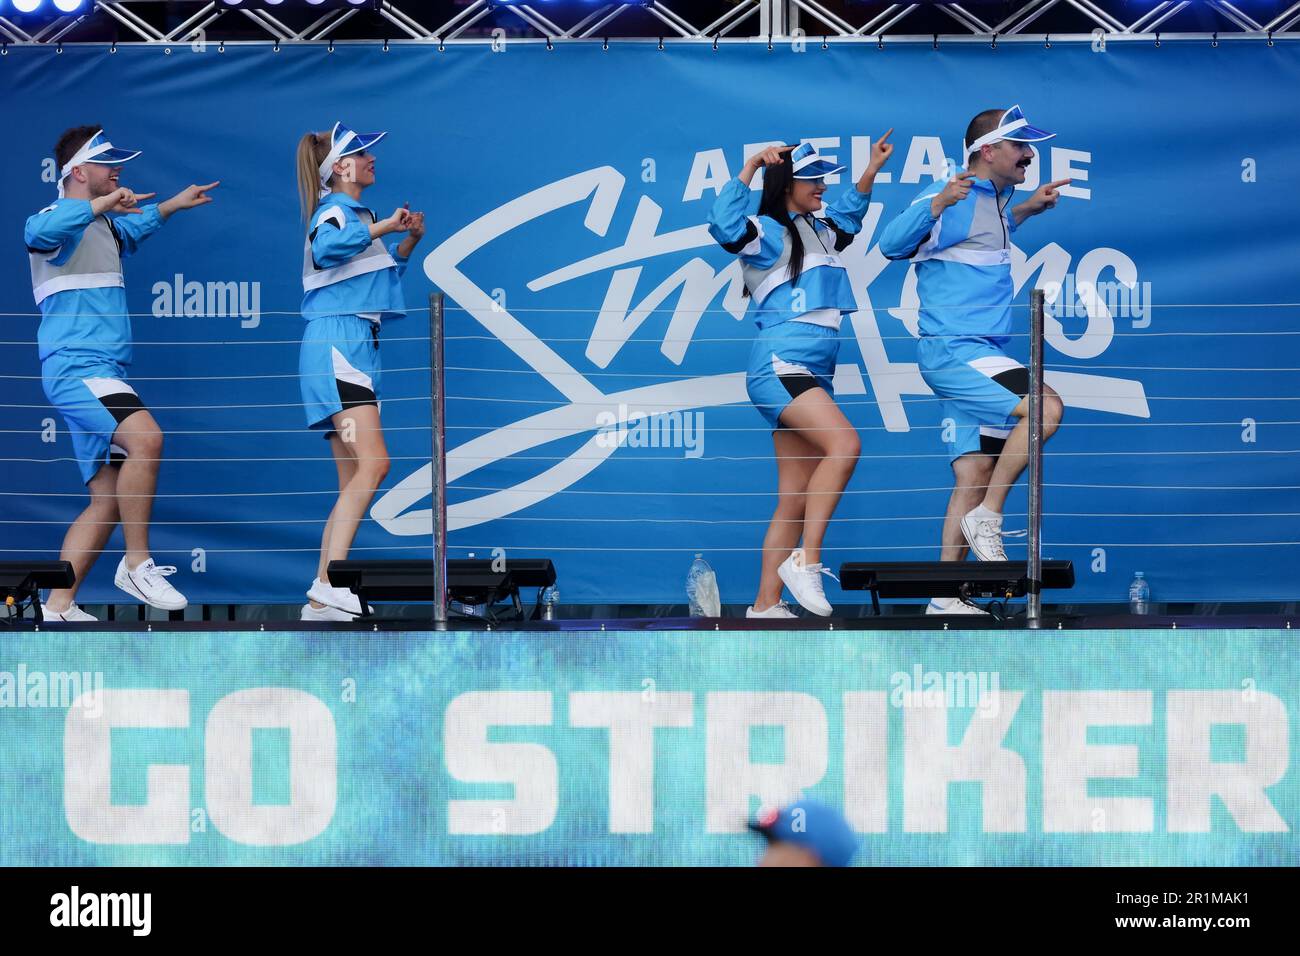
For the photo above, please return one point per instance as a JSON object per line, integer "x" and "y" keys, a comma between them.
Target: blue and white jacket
{"x": 762, "y": 244}
{"x": 344, "y": 271}
{"x": 963, "y": 261}
{"x": 76, "y": 264}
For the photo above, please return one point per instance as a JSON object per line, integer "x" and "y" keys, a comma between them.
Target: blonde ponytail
{"x": 312, "y": 150}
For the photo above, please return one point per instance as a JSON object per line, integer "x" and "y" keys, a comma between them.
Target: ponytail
{"x": 312, "y": 150}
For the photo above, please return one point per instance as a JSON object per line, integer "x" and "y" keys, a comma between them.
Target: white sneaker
{"x": 70, "y": 613}
{"x": 340, "y": 598}
{"x": 148, "y": 583}
{"x": 953, "y": 606}
{"x": 983, "y": 531}
{"x": 805, "y": 582}
{"x": 779, "y": 609}
{"x": 325, "y": 613}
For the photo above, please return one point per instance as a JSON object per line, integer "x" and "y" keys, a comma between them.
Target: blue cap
{"x": 808, "y": 164}
{"x": 812, "y": 825}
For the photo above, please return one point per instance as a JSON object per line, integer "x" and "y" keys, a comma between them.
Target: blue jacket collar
{"x": 343, "y": 199}
{"x": 986, "y": 186}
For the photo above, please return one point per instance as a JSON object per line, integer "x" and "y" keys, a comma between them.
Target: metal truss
{"x": 164, "y": 22}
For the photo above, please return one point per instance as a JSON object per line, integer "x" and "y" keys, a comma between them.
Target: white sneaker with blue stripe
{"x": 70, "y": 613}
{"x": 149, "y": 584}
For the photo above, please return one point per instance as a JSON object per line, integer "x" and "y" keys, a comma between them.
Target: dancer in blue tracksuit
{"x": 352, "y": 281}
{"x": 75, "y": 251}
{"x": 799, "y": 292}
{"x": 959, "y": 235}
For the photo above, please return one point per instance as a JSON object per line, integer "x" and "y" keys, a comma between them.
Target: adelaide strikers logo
{"x": 697, "y": 284}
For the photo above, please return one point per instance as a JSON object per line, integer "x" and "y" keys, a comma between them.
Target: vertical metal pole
{"x": 773, "y": 18}
{"x": 1034, "y": 574}
{"x": 438, "y": 461}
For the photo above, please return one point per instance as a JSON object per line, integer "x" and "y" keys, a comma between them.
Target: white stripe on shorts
{"x": 344, "y": 371}
{"x": 99, "y": 387}
{"x": 994, "y": 365}
{"x": 782, "y": 367}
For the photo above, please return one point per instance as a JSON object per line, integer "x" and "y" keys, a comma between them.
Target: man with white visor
{"x": 958, "y": 233}
{"x": 75, "y": 251}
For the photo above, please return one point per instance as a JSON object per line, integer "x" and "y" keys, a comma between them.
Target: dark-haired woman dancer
{"x": 799, "y": 292}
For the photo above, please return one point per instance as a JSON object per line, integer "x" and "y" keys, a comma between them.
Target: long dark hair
{"x": 774, "y": 203}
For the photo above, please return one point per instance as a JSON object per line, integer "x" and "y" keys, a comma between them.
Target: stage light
{"x": 68, "y": 6}
{"x": 26, "y": 6}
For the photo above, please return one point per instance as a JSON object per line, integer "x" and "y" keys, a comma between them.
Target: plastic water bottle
{"x": 702, "y": 589}
{"x": 552, "y": 599}
{"x": 1139, "y": 595}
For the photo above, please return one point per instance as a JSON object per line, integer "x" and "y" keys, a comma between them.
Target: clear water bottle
{"x": 1139, "y": 595}
{"x": 702, "y": 589}
{"x": 552, "y": 598}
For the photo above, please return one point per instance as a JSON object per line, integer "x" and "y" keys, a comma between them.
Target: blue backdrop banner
{"x": 593, "y": 325}
{"x": 1011, "y": 748}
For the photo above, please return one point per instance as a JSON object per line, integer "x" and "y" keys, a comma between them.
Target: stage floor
{"x": 888, "y": 622}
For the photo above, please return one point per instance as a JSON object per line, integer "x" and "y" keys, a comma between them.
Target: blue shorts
{"x": 90, "y": 393}
{"x": 980, "y": 386}
{"x": 787, "y": 359}
{"x": 338, "y": 367}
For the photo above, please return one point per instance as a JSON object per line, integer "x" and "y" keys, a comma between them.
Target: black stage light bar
{"x": 22, "y": 581}
{"x": 999, "y": 580}
{"x": 475, "y": 581}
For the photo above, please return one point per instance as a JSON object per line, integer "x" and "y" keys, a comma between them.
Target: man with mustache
{"x": 959, "y": 235}
{"x": 75, "y": 250}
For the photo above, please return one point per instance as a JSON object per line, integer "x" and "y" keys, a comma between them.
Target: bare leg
{"x": 137, "y": 479}
{"x": 795, "y": 461}
{"x": 1015, "y": 454}
{"x": 819, "y": 421}
{"x": 971, "y": 475}
{"x": 361, "y": 439}
{"x": 346, "y": 463}
{"x": 88, "y": 534}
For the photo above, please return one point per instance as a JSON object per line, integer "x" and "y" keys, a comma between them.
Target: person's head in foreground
{"x": 805, "y": 833}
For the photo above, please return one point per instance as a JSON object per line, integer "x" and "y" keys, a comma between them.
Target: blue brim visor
{"x": 115, "y": 156}
{"x": 96, "y": 150}
{"x": 1029, "y": 134}
{"x": 344, "y": 142}
{"x": 808, "y": 164}
{"x": 361, "y": 142}
{"x": 817, "y": 169}
{"x": 1014, "y": 127}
